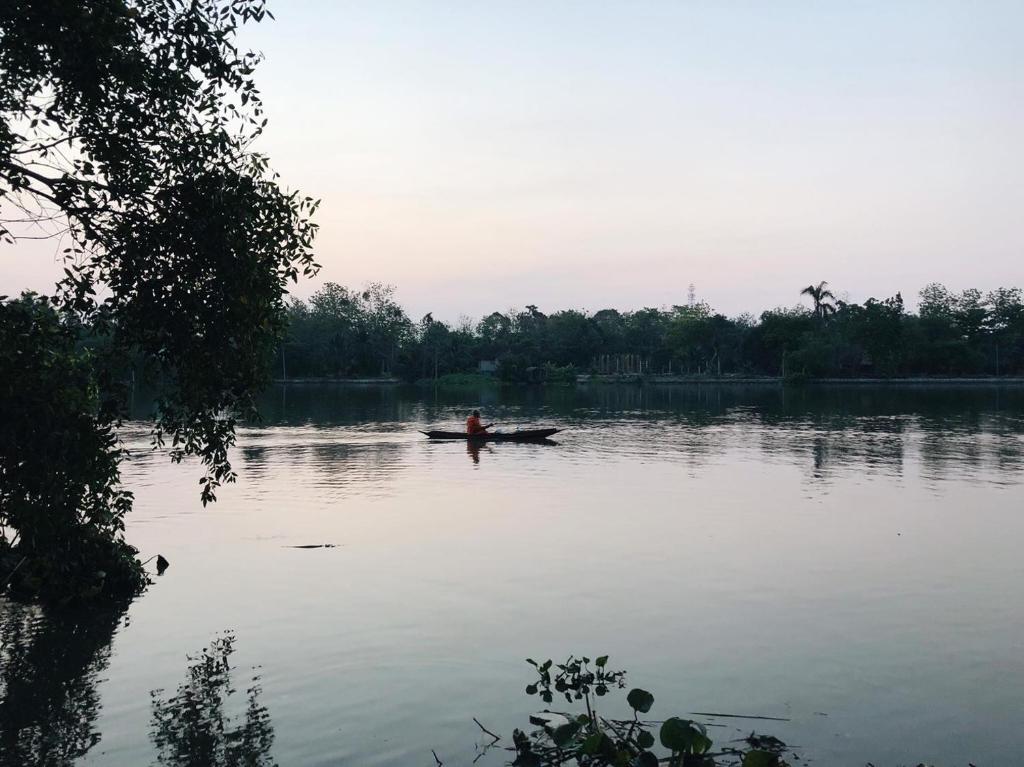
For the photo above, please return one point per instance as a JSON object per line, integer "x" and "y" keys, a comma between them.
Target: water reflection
{"x": 49, "y": 670}
{"x": 963, "y": 433}
{"x": 335, "y": 464}
{"x": 473, "y": 451}
{"x": 364, "y": 435}
{"x": 869, "y": 535}
{"x": 195, "y": 727}
{"x": 51, "y": 663}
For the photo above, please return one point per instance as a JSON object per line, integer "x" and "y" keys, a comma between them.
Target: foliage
{"x": 125, "y": 133}
{"x": 592, "y": 740}
{"x": 823, "y": 299}
{"x": 192, "y": 728}
{"x": 473, "y": 380}
{"x": 342, "y": 332}
{"x": 954, "y": 334}
{"x": 61, "y": 503}
{"x": 560, "y": 374}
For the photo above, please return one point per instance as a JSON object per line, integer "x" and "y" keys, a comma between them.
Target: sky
{"x": 484, "y": 155}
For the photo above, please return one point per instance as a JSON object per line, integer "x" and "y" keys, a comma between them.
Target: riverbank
{"x": 472, "y": 379}
{"x": 449, "y": 379}
{"x": 779, "y": 381}
{"x": 331, "y": 380}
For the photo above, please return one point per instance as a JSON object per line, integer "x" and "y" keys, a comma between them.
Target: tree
{"x": 612, "y": 327}
{"x": 494, "y": 332}
{"x": 955, "y": 333}
{"x": 125, "y": 130}
{"x": 690, "y": 336}
{"x": 346, "y": 332}
{"x": 435, "y": 340}
{"x": 572, "y": 338}
{"x": 948, "y": 331}
{"x": 780, "y": 333}
{"x": 1005, "y": 324}
{"x": 823, "y": 300}
{"x": 877, "y": 329}
{"x": 59, "y": 463}
{"x": 971, "y": 313}
{"x": 935, "y": 301}
{"x": 386, "y": 323}
{"x": 645, "y": 334}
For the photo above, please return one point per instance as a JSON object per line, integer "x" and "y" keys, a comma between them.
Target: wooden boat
{"x": 523, "y": 435}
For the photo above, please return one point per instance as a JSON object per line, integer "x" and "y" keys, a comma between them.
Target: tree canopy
{"x": 126, "y": 133}
{"x": 968, "y": 333}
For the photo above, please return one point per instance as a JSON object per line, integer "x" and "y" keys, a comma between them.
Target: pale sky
{"x": 482, "y": 155}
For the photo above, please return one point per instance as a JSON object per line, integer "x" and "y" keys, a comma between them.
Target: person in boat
{"x": 473, "y": 425}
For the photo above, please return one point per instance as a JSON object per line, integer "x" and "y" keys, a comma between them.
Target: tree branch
{"x": 44, "y": 147}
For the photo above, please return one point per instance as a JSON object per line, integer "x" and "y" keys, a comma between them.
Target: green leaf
{"x": 646, "y": 759}
{"x": 564, "y": 733}
{"x": 760, "y": 758}
{"x": 527, "y": 759}
{"x": 644, "y": 739}
{"x": 685, "y": 736}
{"x": 602, "y": 661}
{"x": 640, "y": 700}
{"x": 592, "y": 743}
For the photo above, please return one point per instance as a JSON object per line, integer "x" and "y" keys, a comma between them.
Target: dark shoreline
{"x": 779, "y": 381}
{"x": 663, "y": 380}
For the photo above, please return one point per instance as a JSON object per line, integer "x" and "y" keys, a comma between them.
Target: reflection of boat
{"x": 524, "y": 435}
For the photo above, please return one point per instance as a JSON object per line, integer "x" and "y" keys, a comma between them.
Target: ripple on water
{"x": 853, "y": 553}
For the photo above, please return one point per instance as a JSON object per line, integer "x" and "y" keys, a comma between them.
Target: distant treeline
{"x": 340, "y": 332}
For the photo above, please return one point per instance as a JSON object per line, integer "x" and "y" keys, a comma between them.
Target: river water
{"x": 848, "y": 560}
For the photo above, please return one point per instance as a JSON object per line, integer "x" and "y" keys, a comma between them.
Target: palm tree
{"x": 823, "y": 298}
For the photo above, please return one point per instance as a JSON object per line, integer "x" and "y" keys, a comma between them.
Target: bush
{"x": 560, "y": 374}
{"x": 62, "y": 506}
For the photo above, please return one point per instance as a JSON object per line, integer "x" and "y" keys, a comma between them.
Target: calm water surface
{"x": 847, "y": 559}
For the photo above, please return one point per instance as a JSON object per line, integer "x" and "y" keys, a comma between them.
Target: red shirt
{"x": 473, "y": 425}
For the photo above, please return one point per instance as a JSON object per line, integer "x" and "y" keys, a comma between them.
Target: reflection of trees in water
{"x": 877, "y": 429}
{"x": 193, "y": 728}
{"x": 971, "y": 442}
{"x": 49, "y": 667}
{"x": 337, "y": 405}
{"x": 337, "y": 463}
{"x": 958, "y": 430}
{"x": 869, "y": 444}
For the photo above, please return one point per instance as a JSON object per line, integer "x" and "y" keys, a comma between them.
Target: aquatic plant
{"x": 589, "y": 739}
